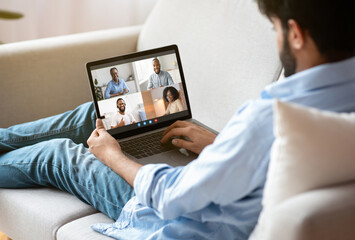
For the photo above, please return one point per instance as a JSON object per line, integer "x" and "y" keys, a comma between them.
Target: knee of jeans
{"x": 61, "y": 152}
{"x": 58, "y": 142}
{"x": 57, "y": 146}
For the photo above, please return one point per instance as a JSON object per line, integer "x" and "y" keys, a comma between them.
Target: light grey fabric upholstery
{"x": 80, "y": 228}
{"x": 326, "y": 214}
{"x": 228, "y": 52}
{"x": 45, "y": 77}
{"x": 29, "y": 214}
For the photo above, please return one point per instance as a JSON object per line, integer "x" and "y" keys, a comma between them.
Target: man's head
{"x": 311, "y": 32}
{"x": 114, "y": 73}
{"x": 156, "y": 65}
{"x": 121, "y": 105}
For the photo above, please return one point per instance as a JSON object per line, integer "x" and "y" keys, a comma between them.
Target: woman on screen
{"x": 171, "y": 96}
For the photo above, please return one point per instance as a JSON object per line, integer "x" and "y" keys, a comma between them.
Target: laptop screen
{"x": 139, "y": 92}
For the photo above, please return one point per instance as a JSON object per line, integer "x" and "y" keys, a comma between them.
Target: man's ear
{"x": 296, "y": 35}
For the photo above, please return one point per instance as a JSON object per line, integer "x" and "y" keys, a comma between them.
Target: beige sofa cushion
{"x": 313, "y": 149}
{"x": 37, "y": 213}
{"x": 228, "y": 52}
{"x": 44, "y": 77}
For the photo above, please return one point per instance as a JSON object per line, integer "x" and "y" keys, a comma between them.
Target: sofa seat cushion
{"x": 38, "y": 213}
{"x": 80, "y": 228}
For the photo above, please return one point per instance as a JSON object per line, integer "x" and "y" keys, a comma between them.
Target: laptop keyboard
{"x": 145, "y": 146}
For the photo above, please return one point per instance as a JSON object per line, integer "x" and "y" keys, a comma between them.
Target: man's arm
{"x": 150, "y": 83}
{"x": 228, "y": 170}
{"x": 107, "y": 91}
{"x": 125, "y": 87}
{"x": 108, "y": 151}
{"x": 120, "y": 124}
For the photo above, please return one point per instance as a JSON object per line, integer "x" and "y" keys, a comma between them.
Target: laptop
{"x": 138, "y": 96}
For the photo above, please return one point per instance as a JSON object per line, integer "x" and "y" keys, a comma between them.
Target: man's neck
{"x": 309, "y": 56}
{"x": 122, "y": 113}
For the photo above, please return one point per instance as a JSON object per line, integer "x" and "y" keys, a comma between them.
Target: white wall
{"x": 168, "y": 62}
{"x": 47, "y": 18}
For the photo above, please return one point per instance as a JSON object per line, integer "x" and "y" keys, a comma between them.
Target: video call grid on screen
{"x": 144, "y": 105}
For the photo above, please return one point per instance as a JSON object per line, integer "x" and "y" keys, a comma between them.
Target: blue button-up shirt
{"x": 218, "y": 196}
{"x": 113, "y": 87}
{"x": 161, "y": 79}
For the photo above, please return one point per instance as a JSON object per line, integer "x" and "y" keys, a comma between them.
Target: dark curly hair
{"x": 173, "y": 91}
{"x": 330, "y": 23}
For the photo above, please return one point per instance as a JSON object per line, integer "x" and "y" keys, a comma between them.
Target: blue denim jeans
{"x": 52, "y": 152}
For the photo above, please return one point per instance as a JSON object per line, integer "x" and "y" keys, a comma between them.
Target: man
{"x": 117, "y": 86}
{"x": 159, "y": 78}
{"x": 217, "y": 196}
{"x": 122, "y": 118}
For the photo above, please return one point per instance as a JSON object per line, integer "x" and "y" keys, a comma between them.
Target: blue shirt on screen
{"x": 218, "y": 196}
{"x": 161, "y": 79}
{"x": 113, "y": 87}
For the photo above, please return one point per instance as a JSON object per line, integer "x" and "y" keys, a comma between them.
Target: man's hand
{"x": 125, "y": 90}
{"x": 122, "y": 123}
{"x": 198, "y": 137}
{"x": 102, "y": 144}
{"x": 108, "y": 151}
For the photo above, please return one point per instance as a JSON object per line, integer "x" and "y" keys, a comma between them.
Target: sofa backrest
{"x": 228, "y": 51}
{"x": 43, "y": 77}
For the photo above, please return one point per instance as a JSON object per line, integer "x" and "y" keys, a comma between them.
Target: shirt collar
{"x": 314, "y": 78}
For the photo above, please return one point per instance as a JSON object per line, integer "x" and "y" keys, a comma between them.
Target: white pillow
{"x": 312, "y": 149}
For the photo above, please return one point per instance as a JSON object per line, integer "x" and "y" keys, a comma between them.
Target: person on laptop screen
{"x": 122, "y": 118}
{"x": 171, "y": 96}
{"x": 117, "y": 86}
{"x": 159, "y": 78}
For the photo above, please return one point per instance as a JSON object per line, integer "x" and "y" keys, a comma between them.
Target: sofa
{"x": 228, "y": 53}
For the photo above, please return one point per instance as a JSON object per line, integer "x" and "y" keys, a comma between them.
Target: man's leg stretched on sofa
{"x": 49, "y": 152}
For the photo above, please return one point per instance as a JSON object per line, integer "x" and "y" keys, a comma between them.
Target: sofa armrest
{"x": 43, "y": 77}
{"x": 326, "y": 214}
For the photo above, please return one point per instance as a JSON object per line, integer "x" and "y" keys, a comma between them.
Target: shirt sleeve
{"x": 108, "y": 90}
{"x": 125, "y": 85}
{"x": 179, "y": 105}
{"x": 150, "y": 82}
{"x": 231, "y": 168}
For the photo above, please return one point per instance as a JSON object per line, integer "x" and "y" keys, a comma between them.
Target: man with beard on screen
{"x": 159, "y": 78}
{"x": 122, "y": 118}
{"x": 218, "y": 195}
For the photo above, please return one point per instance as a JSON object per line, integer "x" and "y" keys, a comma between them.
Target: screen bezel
{"x": 167, "y": 120}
